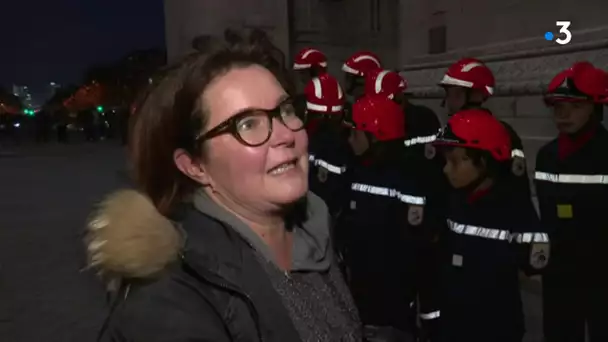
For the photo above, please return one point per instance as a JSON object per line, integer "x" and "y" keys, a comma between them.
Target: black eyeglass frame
{"x": 229, "y": 126}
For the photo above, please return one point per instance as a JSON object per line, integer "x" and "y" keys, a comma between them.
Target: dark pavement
{"x": 47, "y": 193}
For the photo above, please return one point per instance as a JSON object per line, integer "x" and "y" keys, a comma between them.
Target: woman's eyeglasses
{"x": 253, "y": 127}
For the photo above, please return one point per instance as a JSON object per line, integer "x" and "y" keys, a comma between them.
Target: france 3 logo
{"x": 564, "y": 36}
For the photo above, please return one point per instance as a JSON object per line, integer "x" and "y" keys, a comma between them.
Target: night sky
{"x": 55, "y": 40}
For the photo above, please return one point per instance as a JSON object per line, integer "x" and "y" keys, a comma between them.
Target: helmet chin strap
{"x": 468, "y": 104}
{"x": 471, "y": 187}
{"x": 592, "y": 123}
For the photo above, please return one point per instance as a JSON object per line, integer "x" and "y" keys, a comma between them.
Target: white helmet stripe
{"x": 367, "y": 57}
{"x": 470, "y": 66}
{"x": 316, "y": 82}
{"x": 349, "y": 70}
{"x": 448, "y": 80}
{"x": 297, "y": 66}
{"x": 322, "y": 108}
{"x": 305, "y": 54}
{"x": 378, "y": 85}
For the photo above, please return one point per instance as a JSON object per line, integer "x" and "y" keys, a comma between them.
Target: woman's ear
{"x": 191, "y": 167}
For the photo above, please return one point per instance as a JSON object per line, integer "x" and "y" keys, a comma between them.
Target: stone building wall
{"x": 507, "y": 34}
{"x": 187, "y": 19}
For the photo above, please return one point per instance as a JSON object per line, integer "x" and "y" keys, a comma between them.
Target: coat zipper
{"x": 224, "y": 285}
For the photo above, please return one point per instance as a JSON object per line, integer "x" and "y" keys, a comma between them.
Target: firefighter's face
{"x": 459, "y": 168}
{"x": 570, "y": 117}
{"x": 304, "y": 76}
{"x": 354, "y": 85}
{"x": 455, "y": 99}
{"x": 358, "y": 142}
{"x": 400, "y": 99}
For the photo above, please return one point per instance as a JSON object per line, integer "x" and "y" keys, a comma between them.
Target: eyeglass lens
{"x": 256, "y": 128}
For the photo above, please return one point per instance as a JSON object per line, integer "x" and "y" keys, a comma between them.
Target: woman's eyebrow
{"x": 284, "y": 98}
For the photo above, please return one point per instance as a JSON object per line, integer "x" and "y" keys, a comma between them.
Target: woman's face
{"x": 459, "y": 168}
{"x": 265, "y": 177}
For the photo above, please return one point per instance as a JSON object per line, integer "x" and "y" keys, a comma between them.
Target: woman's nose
{"x": 281, "y": 135}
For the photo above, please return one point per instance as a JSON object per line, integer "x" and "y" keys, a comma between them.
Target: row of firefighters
{"x": 435, "y": 226}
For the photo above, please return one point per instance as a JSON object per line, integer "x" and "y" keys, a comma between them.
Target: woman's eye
{"x": 288, "y": 109}
{"x": 247, "y": 124}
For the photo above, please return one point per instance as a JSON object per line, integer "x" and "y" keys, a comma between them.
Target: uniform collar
{"x": 478, "y": 194}
{"x": 568, "y": 144}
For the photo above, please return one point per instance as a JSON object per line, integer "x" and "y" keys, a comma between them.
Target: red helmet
{"x": 470, "y": 73}
{"x": 384, "y": 82}
{"x": 581, "y": 82}
{"x": 380, "y": 116}
{"x": 361, "y": 62}
{"x": 477, "y": 129}
{"x": 324, "y": 95}
{"x": 309, "y": 58}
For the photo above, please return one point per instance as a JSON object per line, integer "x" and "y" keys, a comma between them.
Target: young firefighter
{"x": 492, "y": 234}
{"x": 421, "y": 121}
{"x": 309, "y": 63}
{"x": 572, "y": 186}
{"x": 374, "y": 233}
{"x": 469, "y": 83}
{"x": 420, "y": 157}
{"x": 329, "y": 151}
{"x": 355, "y": 68}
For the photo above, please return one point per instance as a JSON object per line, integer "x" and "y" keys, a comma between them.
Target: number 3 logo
{"x": 564, "y": 29}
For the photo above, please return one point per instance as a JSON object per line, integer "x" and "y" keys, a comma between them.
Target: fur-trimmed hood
{"x": 128, "y": 238}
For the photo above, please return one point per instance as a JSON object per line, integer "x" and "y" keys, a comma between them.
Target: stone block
{"x": 502, "y": 107}
{"x": 534, "y": 106}
{"x": 533, "y": 127}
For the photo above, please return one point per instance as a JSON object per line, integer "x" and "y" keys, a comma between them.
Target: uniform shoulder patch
{"x": 322, "y": 174}
{"x": 518, "y": 167}
{"x": 539, "y": 255}
{"x": 429, "y": 151}
{"x": 415, "y": 215}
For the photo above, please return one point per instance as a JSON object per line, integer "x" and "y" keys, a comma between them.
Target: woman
{"x": 219, "y": 145}
{"x": 492, "y": 234}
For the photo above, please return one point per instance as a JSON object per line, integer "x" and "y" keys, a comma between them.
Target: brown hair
{"x": 172, "y": 115}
